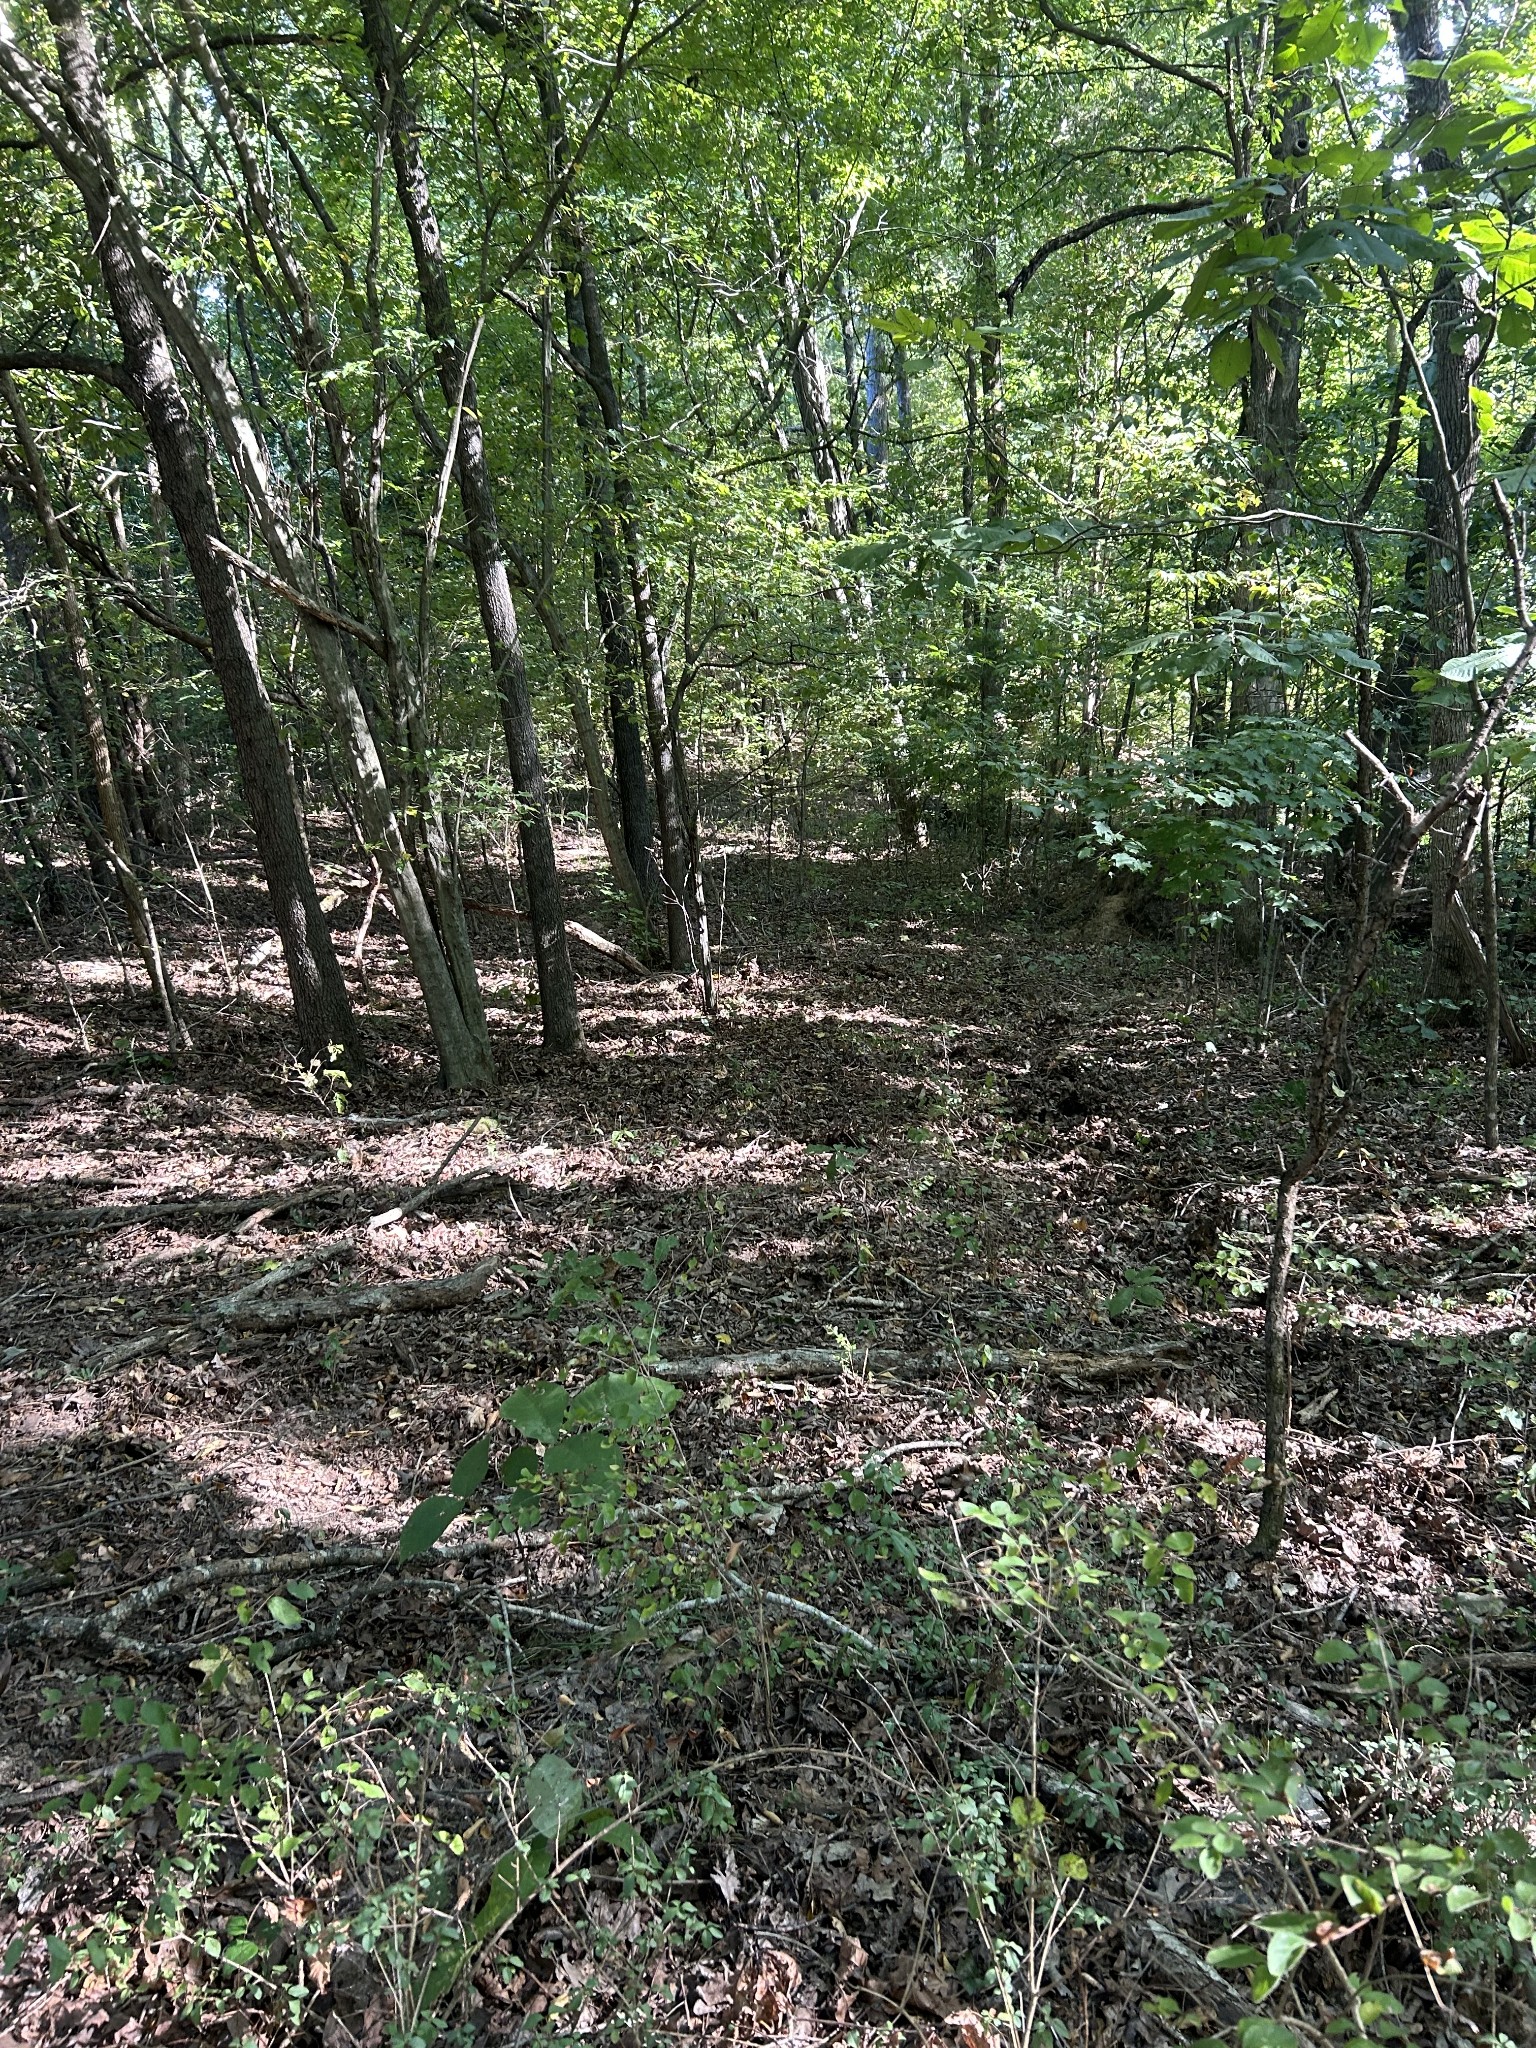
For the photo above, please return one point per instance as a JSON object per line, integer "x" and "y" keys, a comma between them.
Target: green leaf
{"x": 514, "y": 1882}
{"x": 1073, "y": 1867}
{"x": 588, "y": 1452}
{"x": 1364, "y": 1897}
{"x": 537, "y": 1411}
{"x": 428, "y": 1521}
{"x": 443, "y": 1975}
{"x": 284, "y": 1613}
{"x": 1335, "y": 1652}
{"x": 1259, "y": 2032}
{"x": 471, "y": 1468}
{"x": 1461, "y": 1897}
{"x": 58, "y": 1958}
{"x": 555, "y": 1795}
{"x": 866, "y": 554}
{"x": 1286, "y": 1948}
{"x": 624, "y": 1401}
{"x": 1516, "y": 324}
{"x": 1464, "y": 667}
{"x": 92, "y": 1714}
{"x": 519, "y": 1462}
{"x": 1229, "y": 1955}
{"x": 905, "y": 325}
{"x": 1231, "y": 360}
{"x": 13, "y": 1955}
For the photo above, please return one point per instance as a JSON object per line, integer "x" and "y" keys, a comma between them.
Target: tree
{"x": 75, "y": 128}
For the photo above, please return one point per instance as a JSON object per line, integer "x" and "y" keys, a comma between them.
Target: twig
{"x": 738, "y": 1589}
{"x": 461, "y": 1183}
{"x": 415, "y": 1200}
{"x": 290, "y": 1269}
{"x": 302, "y": 601}
{"x": 813, "y": 1361}
{"x": 106, "y": 1628}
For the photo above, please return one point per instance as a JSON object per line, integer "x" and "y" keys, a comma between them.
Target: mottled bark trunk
{"x": 685, "y": 939}
{"x": 439, "y": 945}
{"x": 322, "y": 1011}
{"x": 498, "y": 614}
{"x": 980, "y": 144}
{"x": 1449, "y": 448}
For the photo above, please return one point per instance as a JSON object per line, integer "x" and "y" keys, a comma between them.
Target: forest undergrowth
{"x": 830, "y": 1441}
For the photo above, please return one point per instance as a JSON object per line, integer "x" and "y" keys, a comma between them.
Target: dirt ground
{"x": 944, "y": 1150}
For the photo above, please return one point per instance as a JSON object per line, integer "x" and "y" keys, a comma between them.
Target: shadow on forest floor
{"x": 916, "y": 1142}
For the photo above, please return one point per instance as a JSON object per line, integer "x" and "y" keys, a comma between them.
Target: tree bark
{"x": 322, "y": 1011}
{"x": 980, "y": 144}
{"x": 1448, "y": 460}
{"x": 620, "y": 662}
{"x": 686, "y": 942}
{"x": 114, "y": 824}
{"x": 439, "y": 948}
{"x": 498, "y": 614}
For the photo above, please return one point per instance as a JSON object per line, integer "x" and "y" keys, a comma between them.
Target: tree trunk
{"x": 439, "y": 948}
{"x": 979, "y": 139}
{"x": 322, "y": 1011}
{"x": 1270, "y": 422}
{"x": 608, "y": 579}
{"x": 1447, "y": 476}
{"x": 685, "y": 941}
{"x": 114, "y": 824}
{"x": 498, "y": 614}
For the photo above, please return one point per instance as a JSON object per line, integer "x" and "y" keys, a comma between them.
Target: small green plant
{"x": 1141, "y": 1289}
{"x": 323, "y": 1079}
{"x": 572, "y": 1445}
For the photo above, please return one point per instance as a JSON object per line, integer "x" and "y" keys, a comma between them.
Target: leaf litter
{"x": 899, "y": 1142}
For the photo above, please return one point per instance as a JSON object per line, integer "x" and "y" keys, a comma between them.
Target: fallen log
{"x": 819, "y": 1361}
{"x": 389, "y": 1297}
{"x": 1184, "y": 1969}
{"x": 114, "y": 1214}
{"x": 278, "y": 1276}
{"x": 583, "y": 934}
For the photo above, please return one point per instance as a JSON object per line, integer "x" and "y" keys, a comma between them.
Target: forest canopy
{"x": 974, "y": 423}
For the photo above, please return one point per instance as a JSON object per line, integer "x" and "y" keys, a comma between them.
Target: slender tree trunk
{"x": 440, "y": 950}
{"x": 1449, "y": 452}
{"x": 613, "y": 605}
{"x": 587, "y": 739}
{"x": 322, "y": 1011}
{"x": 682, "y": 937}
{"x": 18, "y": 804}
{"x": 1329, "y": 1084}
{"x": 590, "y": 358}
{"x": 1278, "y": 1319}
{"x": 1494, "y": 992}
{"x": 65, "y": 748}
{"x": 979, "y": 126}
{"x": 114, "y": 823}
{"x": 498, "y": 614}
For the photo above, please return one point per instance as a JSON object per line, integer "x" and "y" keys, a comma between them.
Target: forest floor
{"x": 850, "y": 1760}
